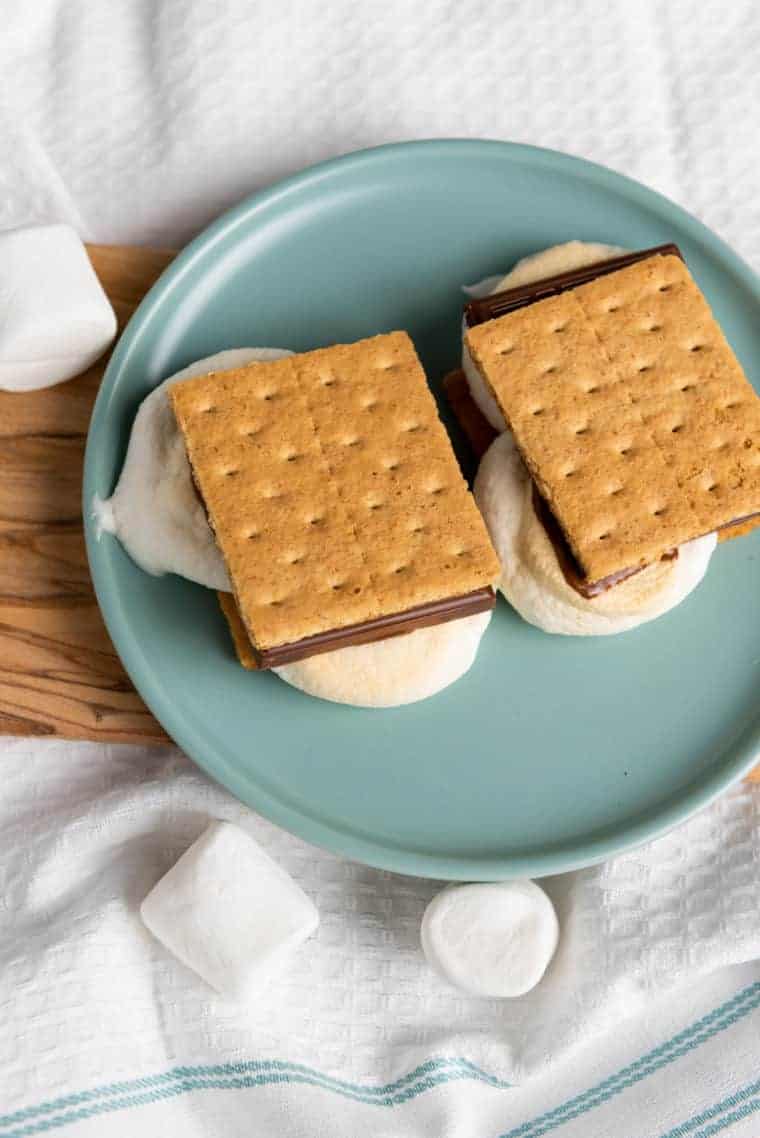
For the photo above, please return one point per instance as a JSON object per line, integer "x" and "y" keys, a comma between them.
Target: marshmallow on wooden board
{"x": 494, "y": 939}
{"x": 229, "y": 912}
{"x": 55, "y": 318}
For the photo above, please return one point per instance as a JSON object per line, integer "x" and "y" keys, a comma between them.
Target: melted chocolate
{"x": 499, "y": 303}
{"x": 381, "y": 628}
{"x": 567, "y": 561}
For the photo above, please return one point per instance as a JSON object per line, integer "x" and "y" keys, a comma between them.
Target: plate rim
{"x": 344, "y": 842}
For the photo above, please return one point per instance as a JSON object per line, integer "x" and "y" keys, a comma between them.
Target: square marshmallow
{"x": 55, "y": 318}
{"x": 229, "y": 912}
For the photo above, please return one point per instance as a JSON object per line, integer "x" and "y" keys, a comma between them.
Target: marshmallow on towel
{"x": 55, "y": 319}
{"x": 229, "y": 912}
{"x": 495, "y": 939}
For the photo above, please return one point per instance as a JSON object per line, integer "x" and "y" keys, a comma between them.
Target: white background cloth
{"x": 139, "y": 121}
{"x": 89, "y": 999}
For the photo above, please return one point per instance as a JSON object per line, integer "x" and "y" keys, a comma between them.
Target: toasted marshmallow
{"x": 389, "y": 673}
{"x": 532, "y": 580}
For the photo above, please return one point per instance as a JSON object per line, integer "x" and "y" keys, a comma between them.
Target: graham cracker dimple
{"x": 630, "y": 410}
{"x": 332, "y": 489}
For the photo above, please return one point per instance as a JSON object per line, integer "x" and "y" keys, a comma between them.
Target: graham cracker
{"x": 738, "y": 529}
{"x": 332, "y": 489}
{"x": 240, "y": 638}
{"x": 631, "y": 412}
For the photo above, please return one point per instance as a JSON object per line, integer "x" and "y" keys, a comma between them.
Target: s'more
{"x": 632, "y": 443}
{"x": 335, "y": 500}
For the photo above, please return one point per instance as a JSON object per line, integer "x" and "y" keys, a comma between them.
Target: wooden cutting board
{"x": 59, "y": 673}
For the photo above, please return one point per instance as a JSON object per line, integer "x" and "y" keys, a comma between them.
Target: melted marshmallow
{"x": 532, "y": 580}
{"x": 154, "y": 510}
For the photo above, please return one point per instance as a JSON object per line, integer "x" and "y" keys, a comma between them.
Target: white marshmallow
{"x": 495, "y": 939}
{"x": 229, "y": 912}
{"x": 55, "y": 318}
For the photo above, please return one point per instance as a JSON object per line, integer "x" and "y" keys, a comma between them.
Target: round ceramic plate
{"x": 552, "y": 752}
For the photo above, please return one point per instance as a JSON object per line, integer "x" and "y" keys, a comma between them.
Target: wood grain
{"x": 59, "y": 673}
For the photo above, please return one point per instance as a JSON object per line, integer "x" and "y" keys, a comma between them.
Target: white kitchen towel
{"x": 104, "y": 1032}
{"x": 140, "y": 121}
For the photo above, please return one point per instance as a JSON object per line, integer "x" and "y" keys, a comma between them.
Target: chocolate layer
{"x": 381, "y": 628}
{"x": 477, "y": 430}
{"x": 567, "y": 562}
{"x": 498, "y": 304}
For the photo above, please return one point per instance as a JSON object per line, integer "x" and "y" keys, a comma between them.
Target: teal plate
{"x": 552, "y": 752}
